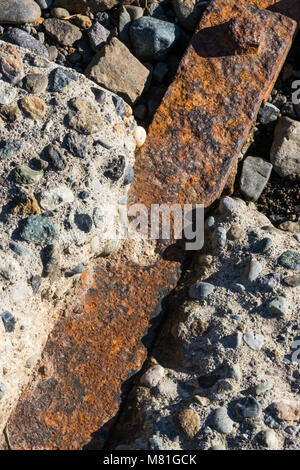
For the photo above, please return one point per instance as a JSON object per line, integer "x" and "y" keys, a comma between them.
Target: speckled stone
{"x": 39, "y": 230}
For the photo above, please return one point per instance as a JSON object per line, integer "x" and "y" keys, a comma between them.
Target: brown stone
{"x": 28, "y": 207}
{"x": 11, "y": 66}
{"x": 35, "y": 83}
{"x": 88, "y": 6}
{"x": 10, "y": 112}
{"x": 115, "y": 68}
{"x": 82, "y": 21}
{"x": 63, "y": 32}
{"x": 292, "y": 281}
{"x": 287, "y": 410}
{"x": 188, "y": 423}
{"x": 34, "y": 106}
{"x": 86, "y": 119}
{"x": 293, "y": 227}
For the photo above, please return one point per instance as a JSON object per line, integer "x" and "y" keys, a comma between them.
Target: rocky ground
{"x": 222, "y": 373}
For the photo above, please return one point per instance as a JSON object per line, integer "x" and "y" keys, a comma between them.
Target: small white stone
{"x": 152, "y": 376}
{"x": 255, "y": 342}
{"x": 140, "y": 136}
{"x": 56, "y": 197}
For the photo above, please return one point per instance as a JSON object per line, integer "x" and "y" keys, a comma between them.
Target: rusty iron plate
{"x": 192, "y": 146}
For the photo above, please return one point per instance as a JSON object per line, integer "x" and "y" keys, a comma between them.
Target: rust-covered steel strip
{"x": 192, "y": 146}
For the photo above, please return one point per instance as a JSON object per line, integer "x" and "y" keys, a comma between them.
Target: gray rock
{"x": 188, "y": 13}
{"x": 247, "y": 408}
{"x": 254, "y": 342}
{"x": 39, "y": 230}
{"x": 21, "y": 38}
{"x": 44, "y": 4}
{"x": 268, "y": 113}
{"x": 16, "y": 12}
{"x": 285, "y": 148}
{"x": 221, "y": 421}
{"x": 76, "y": 145}
{"x": 52, "y": 53}
{"x": 9, "y": 321}
{"x": 200, "y": 290}
{"x": 278, "y": 306}
{"x": 63, "y": 32}
{"x": 219, "y": 237}
{"x": 227, "y": 205}
{"x": 255, "y": 176}
{"x": 98, "y": 36}
{"x": 153, "y": 39}
{"x": 253, "y": 270}
{"x": 269, "y": 439}
{"x": 59, "y": 13}
{"x": 84, "y": 222}
{"x": 128, "y": 175}
{"x": 124, "y": 24}
{"x": 61, "y": 80}
{"x": 152, "y": 376}
{"x": 290, "y": 260}
{"x": 263, "y": 245}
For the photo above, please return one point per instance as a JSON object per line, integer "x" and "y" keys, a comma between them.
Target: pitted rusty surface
{"x": 207, "y": 112}
{"x": 99, "y": 343}
{"x": 93, "y": 350}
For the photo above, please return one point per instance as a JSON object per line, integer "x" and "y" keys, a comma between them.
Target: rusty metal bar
{"x": 228, "y": 70}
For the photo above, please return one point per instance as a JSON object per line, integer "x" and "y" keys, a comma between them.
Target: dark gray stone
{"x": 247, "y": 408}
{"x": 9, "y": 321}
{"x": 39, "y": 230}
{"x": 21, "y": 38}
{"x": 255, "y": 176}
{"x": 153, "y": 39}
{"x": 98, "y": 36}
{"x": 76, "y": 145}
{"x": 221, "y": 421}
{"x": 268, "y": 113}
{"x": 115, "y": 168}
{"x": 84, "y": 222}
{"x": 290, "y": 260}
{"x": 54, "y": 156}
{"x": 61, "y": 80}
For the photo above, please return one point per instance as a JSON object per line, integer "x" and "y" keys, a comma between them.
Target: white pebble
{"x": 152, "y": 376}
{"x": 140, "y": 136}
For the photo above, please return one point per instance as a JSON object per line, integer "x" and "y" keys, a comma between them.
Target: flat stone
{"x": 255, "y": 176}
{"x": 284, "y": 153}
{"x": 200, "y": 290}
{"x": 39, "y": 230}
{"x": 290, "y": 260}
{"x": 34, "y": 107}
{"x": 61, "y": 31}
{"x": 11, "y": 65}
{"x": 152, "y": 376}
{"x": 61, "y": 80}
{"x": 278, "y": 306}
{"x": 23, "y": 39}
{"x": 221, "y": 421}
{"x": 254, "y": 342}
{"x": 35, "y": 83}
{"x": 25, "y": 175}
{"x": 115, "y": 68}
{"x": 153, "y": 39}
{"x": 59, "y": 13}
{"x": 188, "y": 423}
{"x": 98, "y": 36}
{"x": 287, "y": 410}
{"x": 16, "y": 12}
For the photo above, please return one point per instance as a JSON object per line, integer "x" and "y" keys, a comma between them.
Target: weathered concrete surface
{"x": 192, "y": 147}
